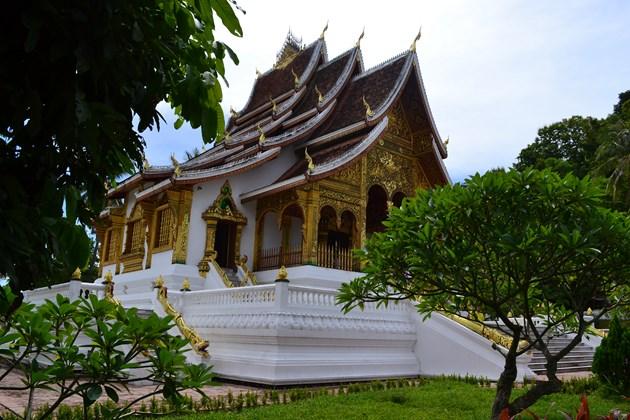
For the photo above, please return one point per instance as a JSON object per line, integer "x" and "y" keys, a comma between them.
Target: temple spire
{"x": 413, "y": 44}
{"x": 358, "y": 44}
{"x": 321, "y": 36}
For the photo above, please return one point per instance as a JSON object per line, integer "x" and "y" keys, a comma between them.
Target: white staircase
{"x": 580, "y": 359}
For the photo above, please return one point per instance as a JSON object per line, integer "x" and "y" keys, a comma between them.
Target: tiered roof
{"x": 334, "y": 109}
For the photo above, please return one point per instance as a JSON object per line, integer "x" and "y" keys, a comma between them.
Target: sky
{"x": 494, "y": 71}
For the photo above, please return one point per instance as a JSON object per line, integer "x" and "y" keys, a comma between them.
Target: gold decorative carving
{"x": 179, "y": 254}
{"x": 109, "y": 288}
{"x": 398, "y": 125}
{"x": 223, "y": 208}
{"x": 76, "y": 274}
{"x": 251, "y": 277}
{"x": 392, "y": 171}
{"x": 198, "y": 344}
{"x": 491, "y": 334}
{"x": 368, "y": 110}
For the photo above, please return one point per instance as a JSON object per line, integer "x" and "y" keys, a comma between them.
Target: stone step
{"x": 566, "y": 369}
{"x": 570, "y": 358}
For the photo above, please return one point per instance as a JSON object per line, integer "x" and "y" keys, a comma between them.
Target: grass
{"x": 437, "y": 399}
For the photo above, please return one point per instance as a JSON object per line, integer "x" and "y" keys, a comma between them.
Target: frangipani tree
{"x": 513, "y": 246}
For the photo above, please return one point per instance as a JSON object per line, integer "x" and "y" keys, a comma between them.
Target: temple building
{"x": 253, "y": 237}
{"x": 306, "y": 171}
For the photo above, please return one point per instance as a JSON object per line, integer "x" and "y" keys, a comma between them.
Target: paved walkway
{"x": 16, "y": 400}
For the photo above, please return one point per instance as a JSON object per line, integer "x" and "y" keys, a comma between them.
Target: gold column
{"x": 180, "y": 202}
{"x": 148, "y": 213}
{"x": 118, "y": 229}
{"x": 209, "y": 254}
{"x": 237, "y": 245}
{"x": 101, "y": 231}
{"x": 309, "y": 200}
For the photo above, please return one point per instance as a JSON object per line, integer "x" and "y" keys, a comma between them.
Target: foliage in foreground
{"x": 612, "y": 358}
{"x": 509, "y": 246}
{"x": 93, "y": 348}
{"x": 81, "y": 80}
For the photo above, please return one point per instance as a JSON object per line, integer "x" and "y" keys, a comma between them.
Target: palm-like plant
{"x": 613, "y": 156}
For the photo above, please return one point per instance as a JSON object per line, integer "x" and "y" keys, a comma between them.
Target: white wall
{"x": 271, "y": 234}
{"x": 204, "y": 195}
{"x": 295, "y": 235}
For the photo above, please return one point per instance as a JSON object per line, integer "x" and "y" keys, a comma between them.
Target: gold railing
{"x": 198, "y": 344}
{"x": 219, "y": 270}
{"x": 500, "y": 338}
{"x": 251, "y": 277}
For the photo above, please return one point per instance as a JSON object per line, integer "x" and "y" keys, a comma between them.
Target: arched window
{"x": 398, "y": 198}
{"x": 376, "y": 210}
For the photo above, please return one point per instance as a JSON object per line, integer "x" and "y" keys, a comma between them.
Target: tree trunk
{"x": 505, "y": 383}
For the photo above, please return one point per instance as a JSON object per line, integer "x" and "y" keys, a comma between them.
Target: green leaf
{"x": 94, "y": 393}
{"x": 111, "y": 393}
{"x": 229, "y": 19}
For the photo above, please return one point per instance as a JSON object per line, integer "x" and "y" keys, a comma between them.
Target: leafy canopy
{"x": 75, "y": 76}
{"x": 112, "y": 348}
{"x": 505, "y": 245}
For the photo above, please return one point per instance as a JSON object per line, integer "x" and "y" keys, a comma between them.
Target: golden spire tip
{"x": 321, "y": 36}
{"x": 416, "y": 39}
{"x": 358, "y": 44}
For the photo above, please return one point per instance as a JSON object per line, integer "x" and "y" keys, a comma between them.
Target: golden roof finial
{"x": 368, "y": 110}
{"x": 589, "y": 311}
{"x": 145, "y": 163}
{"x": 296, "y": 79}
{"x": 283, "y": 275}
{"x": 233, "y": 113}
{"x": 448, "y": 138}
{"x": 320, "y": 97}
{"x": 177, "y": 171}
{"x": 413, "y": 44}
{"x": 261, "y": 138}
{"x": 108, "y": 278}
{"x": 159, "y": 282}
{"x": 311, "y": 166}
{"x": 186, "y": 285}
{"x": 274, "y": 106}
{"x": 358, "y": 44}
{"x": 76, "y": 274}
{"x": 324, "y": 31}
{"x": 228, "y": 137}
{"x": 258, "y": 74}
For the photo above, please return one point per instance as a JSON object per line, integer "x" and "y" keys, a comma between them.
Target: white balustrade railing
{"x": 236, "y": 296}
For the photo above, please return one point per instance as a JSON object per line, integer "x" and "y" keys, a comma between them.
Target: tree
{"x": 75, "y": 76}
{"x": 512, "y": 246}
{"x": 566, "y": 146}
{"x": 112, "y": 347}
{"x": 613, "y": 156}
{"x": 611, "y": 362}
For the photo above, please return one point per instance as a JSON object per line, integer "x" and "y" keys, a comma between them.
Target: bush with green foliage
{"x": 93, "y": 348}
{"x": 611, "y": 363}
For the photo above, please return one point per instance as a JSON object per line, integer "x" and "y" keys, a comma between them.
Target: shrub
{"x": 612, "y": 358}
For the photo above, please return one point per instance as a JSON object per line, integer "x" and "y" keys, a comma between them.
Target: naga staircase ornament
{"x": 249, "y": 276}
{"x": 198, "y": 344}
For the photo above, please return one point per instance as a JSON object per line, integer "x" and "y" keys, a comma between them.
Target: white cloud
{"x": 494, "y": 71}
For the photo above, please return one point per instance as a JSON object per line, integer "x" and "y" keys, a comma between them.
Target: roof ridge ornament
{"x": 261, "y": 138}
{"x": 296, "y": 79}
{"x": 368, "y": 110}
{"x": 412, "y": 48}
{"x": 358, "y": 44}
{"x": 177, "y": 171}
{"x": 145, "y": 163}
{"x": 233, "y": 113}
{"x": 310, "y": 167}
{"x": 320, "y": 97}
{"x": 321, "y": 36}
{"x": 274, "y": 106}
{"x": 258, "y": 73}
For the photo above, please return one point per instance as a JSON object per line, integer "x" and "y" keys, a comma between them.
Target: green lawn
{"x": 440, "y": 399}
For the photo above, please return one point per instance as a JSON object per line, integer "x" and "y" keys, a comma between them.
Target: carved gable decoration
{"x": 398, "y": 125}
{"x": 224, "y": 207}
